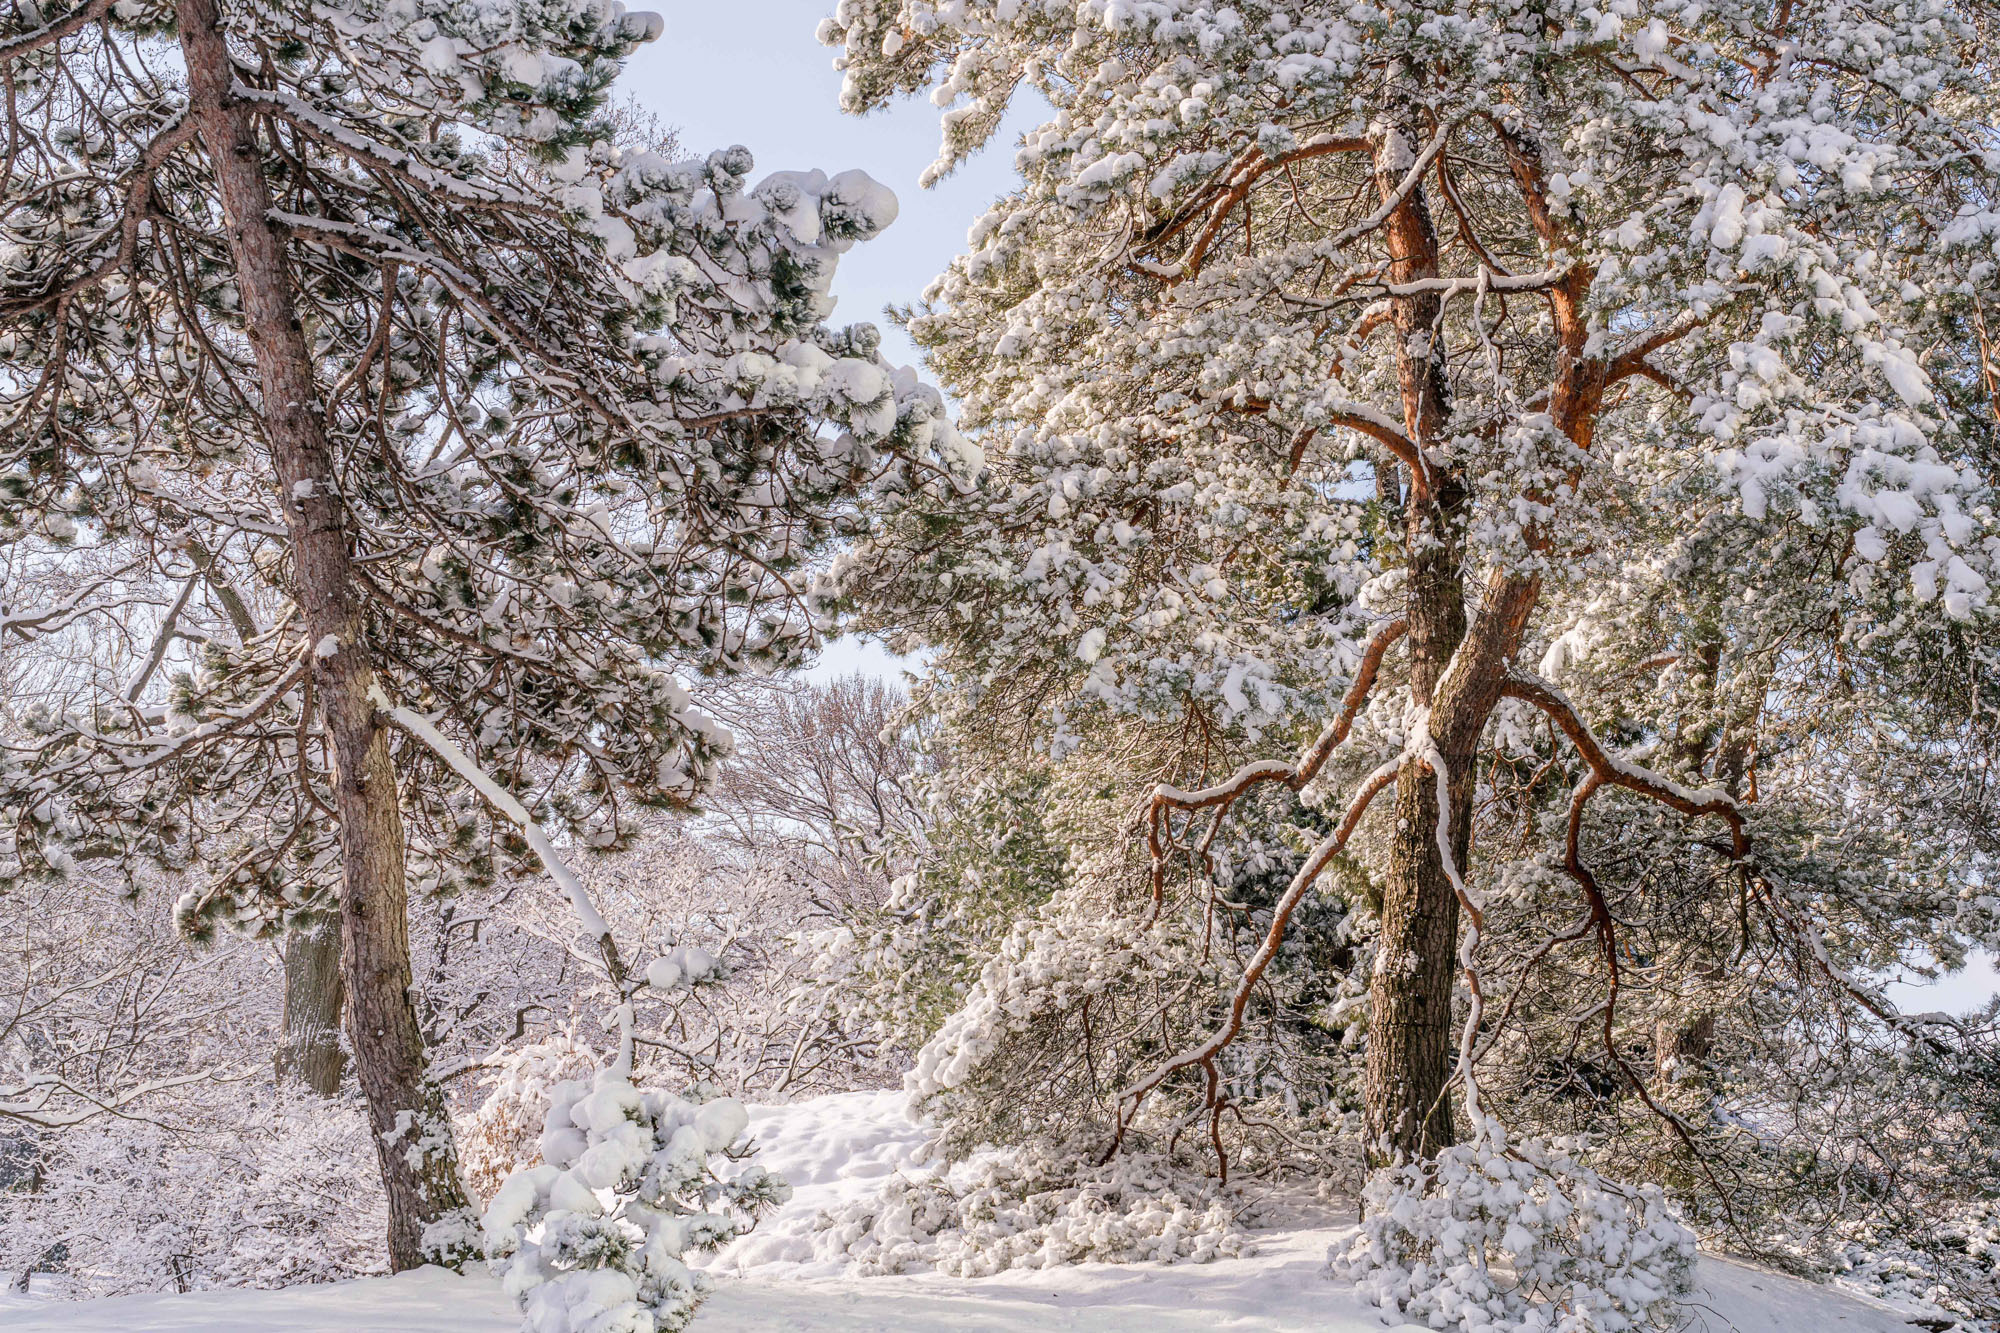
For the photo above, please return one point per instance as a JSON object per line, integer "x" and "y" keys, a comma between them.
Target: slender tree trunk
{"x": 406, "y": 1110}
{"x": 25, "y": 1283}
{"x": 310, "y": 1050}
{"x": 1714, "y": 744}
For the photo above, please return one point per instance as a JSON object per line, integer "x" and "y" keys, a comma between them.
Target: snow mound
{"x": 869, "y": 1200}
{"x": 1034, "y": 1209}
{"x": 842, "y": 1148}
{"x": 833, "y": 1151}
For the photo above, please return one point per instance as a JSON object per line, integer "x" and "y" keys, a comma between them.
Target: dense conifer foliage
{"x": 1566, "y": 431}
{"x": 362, "y": 313}
{"x": 1454, "y": 657}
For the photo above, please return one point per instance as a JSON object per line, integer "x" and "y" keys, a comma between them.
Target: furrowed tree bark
{"x": 1405, "y": 1086}
{"x": 310, "y": 1050}
{"x": 406, "y": 1109}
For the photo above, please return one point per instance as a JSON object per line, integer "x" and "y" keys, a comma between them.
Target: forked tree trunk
{"x": 1405, "y": 1086}
{"x": 1458, "y": 669}
{"x": 412, "y": 1130}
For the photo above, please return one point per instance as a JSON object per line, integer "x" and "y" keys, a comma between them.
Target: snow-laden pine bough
{"x": 1160, "y": 842}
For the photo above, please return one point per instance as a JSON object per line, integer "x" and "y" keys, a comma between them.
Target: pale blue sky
{"x": 751, "y": 72}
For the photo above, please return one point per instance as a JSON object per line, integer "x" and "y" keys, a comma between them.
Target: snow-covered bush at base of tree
{"x": 505, "y": 1132}
{"x": 592, "y": 1239}
{"x": 1033, "y": 1208}
{"x": 1491, "y": 1236}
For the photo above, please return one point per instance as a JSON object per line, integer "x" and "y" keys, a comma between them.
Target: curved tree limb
{"x": 1167, "y": 798}
{"x": 1203, "y": 1055}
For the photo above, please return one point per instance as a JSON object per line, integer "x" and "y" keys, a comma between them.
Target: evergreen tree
{"x": 362, "y": 303}
{"x": 1339, "y": 364}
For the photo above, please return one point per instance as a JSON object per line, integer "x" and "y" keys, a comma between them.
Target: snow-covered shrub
{"x": 1953, "y": 1275}
{"x": 103, "y": 1206}
{"x": 1034, "y": 1208}
{"x": 592, "y": 1239}
{"x": 313, "y": 1210}
{"x": 237, "y": 1188}
{"x": 1490, "y": 1236}
{"x": 505, "y": 1132}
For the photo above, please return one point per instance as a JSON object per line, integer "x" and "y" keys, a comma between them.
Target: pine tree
{"x": 1338, "y": 364}
{"x": 365, "y": 307}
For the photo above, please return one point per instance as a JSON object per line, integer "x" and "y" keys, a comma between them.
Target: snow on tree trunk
{"x": 1408, "y": 1105}
{"x": 406, "y": 1110}
{"x": 1406, "y": 1089}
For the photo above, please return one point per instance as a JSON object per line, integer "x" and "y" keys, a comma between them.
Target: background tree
{"x": 510, "y": 427}
{"x": 830, "y": 769}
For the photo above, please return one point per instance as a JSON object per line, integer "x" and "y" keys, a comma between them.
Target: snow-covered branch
{"x": 504, "y": 802}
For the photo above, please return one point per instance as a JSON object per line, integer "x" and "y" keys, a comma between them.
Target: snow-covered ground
{"x": 835, "y": 1148}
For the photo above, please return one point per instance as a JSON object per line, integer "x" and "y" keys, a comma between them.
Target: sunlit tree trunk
{"x": 1408, "y": 1102}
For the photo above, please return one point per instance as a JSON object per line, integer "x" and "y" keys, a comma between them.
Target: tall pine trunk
{"x": 1458, "y": 666}
{"x": 1405, "y": 1086}
{"x": 412, "y": 1130}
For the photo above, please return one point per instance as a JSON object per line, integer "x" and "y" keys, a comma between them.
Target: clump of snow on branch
{"x": 1493, "y": 1236}
{"x": 684, "y": 965}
